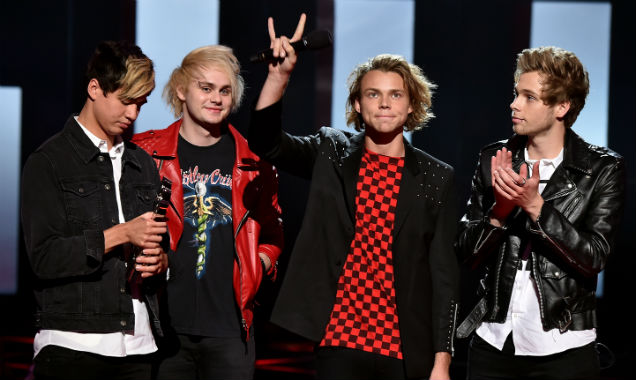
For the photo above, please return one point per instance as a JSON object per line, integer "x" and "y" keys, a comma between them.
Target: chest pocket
{"x": 145, "y": 195}
{"x": 83, "y": 203}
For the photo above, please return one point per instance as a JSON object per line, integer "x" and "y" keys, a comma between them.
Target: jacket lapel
{"x": 574, "y": 160}
{"x": 560, "y": 184}
{"x": 350, "y": 170}
{"x": 408, "y": 187}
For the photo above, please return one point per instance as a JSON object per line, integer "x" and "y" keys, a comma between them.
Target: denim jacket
{"x": 68, "y": 200}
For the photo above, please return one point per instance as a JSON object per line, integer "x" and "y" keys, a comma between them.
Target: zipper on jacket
{"x": 497, "y": 278}
{"x": 238, "y": 259}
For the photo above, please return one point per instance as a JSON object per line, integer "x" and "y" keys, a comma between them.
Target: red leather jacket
{"x": 256, "y": 214}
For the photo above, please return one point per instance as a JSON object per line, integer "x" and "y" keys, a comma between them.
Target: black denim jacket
{"x": 68, "y": 200}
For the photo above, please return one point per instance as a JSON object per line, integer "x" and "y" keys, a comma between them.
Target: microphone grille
{"x": 318, "y": 39}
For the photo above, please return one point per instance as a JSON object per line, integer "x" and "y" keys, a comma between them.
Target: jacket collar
{"x": 574, "y": 153}
{"x": 351, "y": 166}
{"x": 356, "y": 148}
{"x": 168, "y": 146}
{"x": 84, "y": 147}
{"x": 575, "y": 159}
{"x": 170, "y": 141}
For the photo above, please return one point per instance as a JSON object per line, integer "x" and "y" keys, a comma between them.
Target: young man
{"x": 541, "y": 221}
{"x": 373, "y": 276}
{"x": 225, "y": 228}
{"x": 86, "y": 198}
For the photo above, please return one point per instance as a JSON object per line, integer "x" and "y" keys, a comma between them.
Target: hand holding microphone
{"x": 281, "y": 59}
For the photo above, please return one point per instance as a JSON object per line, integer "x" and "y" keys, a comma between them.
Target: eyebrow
{"x": 389, "y": 90}
{"x": 526, "y": 91}
{"x": 210, "y": 84}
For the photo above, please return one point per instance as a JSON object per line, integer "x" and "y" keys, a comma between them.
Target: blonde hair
{"x": 563, "y": 77}
{"x": 139, "y": 80}
{"x": 213, "y": 55}
{"x": 418, "y": 87}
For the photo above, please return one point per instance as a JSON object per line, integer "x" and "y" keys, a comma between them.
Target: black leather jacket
{"x": 68, "y": 200}
{"x": 571, "y": 239}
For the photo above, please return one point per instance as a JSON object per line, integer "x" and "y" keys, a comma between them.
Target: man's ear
{"x": 181, "y": 93}
{"x": 93, "y": 88}
{"x": 562, "y": 109}
{"x": 356, "y": 105}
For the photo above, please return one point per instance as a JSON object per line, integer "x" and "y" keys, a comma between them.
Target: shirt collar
{"x": 554, "y": 162}
{"x": 116, "y": 151}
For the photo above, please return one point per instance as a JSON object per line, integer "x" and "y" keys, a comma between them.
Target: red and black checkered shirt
{"x": 364, "y": 316}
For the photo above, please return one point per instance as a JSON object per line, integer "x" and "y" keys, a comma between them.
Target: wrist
{"x": 497, "y": 217}
{"x": 534, "y": 209}
{"x": 278, "y": 78}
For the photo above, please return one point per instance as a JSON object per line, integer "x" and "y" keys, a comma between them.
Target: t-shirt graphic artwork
{"x": 204, "y": 208}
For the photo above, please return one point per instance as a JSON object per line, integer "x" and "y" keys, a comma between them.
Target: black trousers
{"x": 344, "y": 363}
{"x": 54, "y": 362}
{"x": 196, "y": 357}
{"x": 485, "y": 362}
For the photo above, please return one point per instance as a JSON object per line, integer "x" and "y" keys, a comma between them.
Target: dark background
{"x": 467, "y": 47}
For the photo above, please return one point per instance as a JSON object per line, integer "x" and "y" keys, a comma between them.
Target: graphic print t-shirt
{"x": 200, "y": 292}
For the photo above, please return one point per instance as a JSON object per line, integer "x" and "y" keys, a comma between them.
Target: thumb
{"x": 523, "y": 170}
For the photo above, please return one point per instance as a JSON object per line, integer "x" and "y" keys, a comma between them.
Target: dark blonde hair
{"x": 122, "y": 65}
{"x": 418, "y": 87}
{"x": 563, "y": 77}
{"x": 218, "y": 56}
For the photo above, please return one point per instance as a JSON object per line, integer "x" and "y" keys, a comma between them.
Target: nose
{"x": 384, "y": 102}
{"x": 132, "y": 111}
{"x": 215, "y": 97}
{"x": 513, "y": 105}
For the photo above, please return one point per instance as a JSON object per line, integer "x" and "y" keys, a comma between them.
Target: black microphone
{"x": 317, "y": 39}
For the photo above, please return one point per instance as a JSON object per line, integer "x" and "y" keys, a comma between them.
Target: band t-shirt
{"x": 200, "y": 291}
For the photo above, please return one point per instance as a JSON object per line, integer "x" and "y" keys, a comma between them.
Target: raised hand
{"x": 520, "y": 190}
{"x": 282, "y": 48}
{"x": 503, "y": 206}
{"x": 281, "y": 68}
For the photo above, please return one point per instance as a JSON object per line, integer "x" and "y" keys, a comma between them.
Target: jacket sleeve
{"x": 266, "y": 138}
{"x": 586, "y": 246}
{"x": 54, "y": 253}
{"x": 477, "y": 238}
{"x": 269, "y": 217}
{"x": 445, "y": 271}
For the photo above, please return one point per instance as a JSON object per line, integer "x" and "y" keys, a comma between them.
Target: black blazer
{"x": 425, "y": 266}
